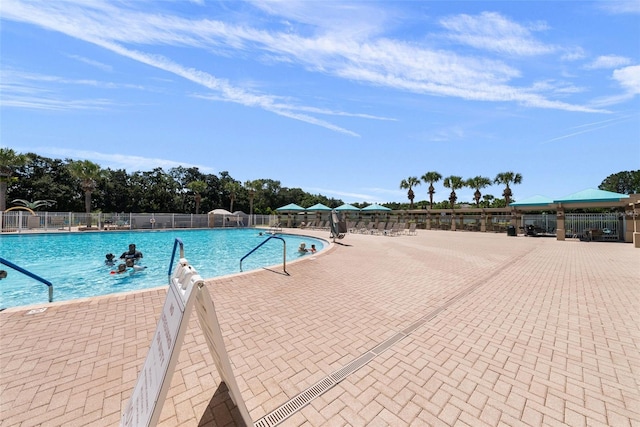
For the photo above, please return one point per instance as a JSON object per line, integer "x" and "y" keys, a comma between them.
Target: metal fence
{"x": 611, "y": 226}
{"x": 24, "y": 221}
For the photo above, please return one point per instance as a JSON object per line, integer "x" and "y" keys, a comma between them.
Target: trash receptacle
{"x": 511, "y": 230}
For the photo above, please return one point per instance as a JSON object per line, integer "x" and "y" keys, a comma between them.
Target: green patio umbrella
{"x": 347, "y": 207}
{"x": 288, "y": 209}
{"x": 291, "y": 207}
{"x": 318, "y": 207}
{"x": 376, "y": 208}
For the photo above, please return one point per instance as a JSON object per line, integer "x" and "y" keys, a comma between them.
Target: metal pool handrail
{"x": 30, "y": 274}
{"x": 173, "y": 253}
{"x": 284, "y": 252}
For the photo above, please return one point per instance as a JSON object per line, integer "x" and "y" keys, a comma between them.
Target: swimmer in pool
{"x": 132, "y": 253}
{"x": 122, "y": 268}
{"x": 109, "y": 259}
{"x": 130, "y": 264}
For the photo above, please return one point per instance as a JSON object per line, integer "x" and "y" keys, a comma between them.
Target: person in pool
{"x": 130, "y": 264}
{"x": 132, "y": 253}
{"x": 3, "y": 274}
{"x": 109, "y": 259}
{"x": 313, "y": 249}
{"x": 303, "y": 248}
{"x": 122, "y": 268}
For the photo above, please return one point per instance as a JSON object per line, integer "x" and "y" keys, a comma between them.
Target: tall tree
{"x": 409, "y": 183}
{"x": 478, "y": 183}
{"x": 252, "y": 188}
{"x": 233, "y": 188}
{"x": 198, "y": 187}
{"x": 431, "y": 178}
{"x": 454, "y": 183}
{"x": 10, "y": 161}
{"x": 88, "y": 173}
{"x": 625, "y": 182}
{"x": 506, "y": 178}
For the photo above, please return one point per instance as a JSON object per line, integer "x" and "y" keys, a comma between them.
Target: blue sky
{"x": 345, "y": 99}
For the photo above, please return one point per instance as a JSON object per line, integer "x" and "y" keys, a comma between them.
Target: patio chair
{"x": 396, "y": 229}
{"x": 411, "y": 231}
{"x": 380, "y": 228}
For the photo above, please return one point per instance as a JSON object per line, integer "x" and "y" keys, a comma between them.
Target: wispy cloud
{"x": 608, "y": 61}
{"x": 494, "y": 32}
{"x": 96, "y": 64}
{"x": 629, "y": 80}
{"x": 47, "y": 92}
{"x": 620, "y": 6}
{"x": 361, "y": 54}
{"x": 119, "y": 161}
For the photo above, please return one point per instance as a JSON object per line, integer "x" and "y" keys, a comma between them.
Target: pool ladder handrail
{"x": 284, "y": 252}
{"x": 173, "y": 254}
{"x": 30, "y": 274}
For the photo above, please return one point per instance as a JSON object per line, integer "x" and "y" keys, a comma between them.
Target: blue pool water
{"x": 74, "y": 262}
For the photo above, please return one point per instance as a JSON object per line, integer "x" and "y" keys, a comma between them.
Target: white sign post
{"x": 148, "y": 396}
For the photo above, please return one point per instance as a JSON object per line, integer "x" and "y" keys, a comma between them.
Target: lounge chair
{"x": 380, "y": 228}
{"x": 411, "y": 231}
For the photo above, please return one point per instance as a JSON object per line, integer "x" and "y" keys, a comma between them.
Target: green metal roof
{"x": 536, "y": 200}
{"x": 592, "y": 195}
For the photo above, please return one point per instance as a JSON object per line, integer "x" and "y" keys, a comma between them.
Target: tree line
{"x": 83, "y": 186}
{"x": 69, "y": 185}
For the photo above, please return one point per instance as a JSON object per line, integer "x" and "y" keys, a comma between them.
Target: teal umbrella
{"x": 291, "y": 207}
{"x": 288, "y": 209}
{"x": 376, "y": 208}
{"x": 318, "y": 207}
{"x": 347, "y": 207}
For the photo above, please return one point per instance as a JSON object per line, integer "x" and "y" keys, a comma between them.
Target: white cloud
{"x": 97, "y": 64}
{"x": 629, "y": 79}
{"x": 360, "y": 56}
{"x": 608, "y": 61}
{"x": 492, "y": 31}
{"x": 620, "y": 6}
{"x": 119, "y": 161}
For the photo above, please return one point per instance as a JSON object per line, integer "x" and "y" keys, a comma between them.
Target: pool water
{"x": 75, "y": 262}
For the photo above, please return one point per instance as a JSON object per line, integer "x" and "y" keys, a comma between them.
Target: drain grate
{"x": 294, "y": 405}
{"x": 388, "y": 343}
{"x": 352, "y": 367}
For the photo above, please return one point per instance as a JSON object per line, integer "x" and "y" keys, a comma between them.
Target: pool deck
{"x": 460, "y": 328}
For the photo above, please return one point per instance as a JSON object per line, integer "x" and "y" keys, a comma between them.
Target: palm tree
{"x": 454, "y": 183}
{"x": 252, "y": 188}
{"x": 505, "y": 178}
{"x": 33, "y": 205}
{"x": 198, "y": 187}
{"x": 233, "y": 188}
{"x": 477, "y": 183}
{"x": 410, "y": 183}
{"x": 431, "y": 178}
{"x": 10, "y": 161}
{"x": 87, "y": 172}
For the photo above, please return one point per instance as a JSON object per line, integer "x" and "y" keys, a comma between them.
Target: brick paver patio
{"x": 456, "y": 328}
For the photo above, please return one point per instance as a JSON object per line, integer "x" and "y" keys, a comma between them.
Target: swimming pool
{"x": 75, "y": 262}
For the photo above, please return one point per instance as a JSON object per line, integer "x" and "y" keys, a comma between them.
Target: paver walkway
{"x": 443, "y": 328}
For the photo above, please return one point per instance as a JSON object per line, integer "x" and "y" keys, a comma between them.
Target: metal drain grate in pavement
{"x": 294, "y": 405}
